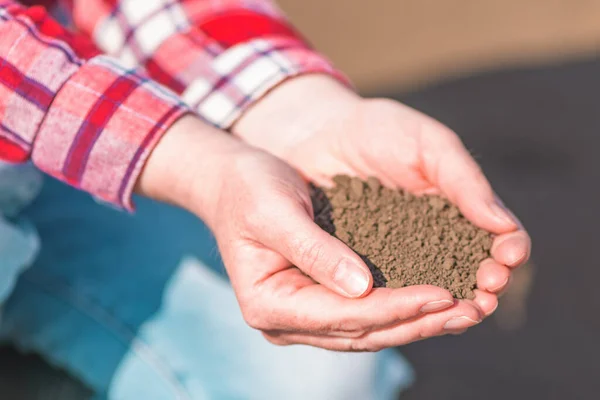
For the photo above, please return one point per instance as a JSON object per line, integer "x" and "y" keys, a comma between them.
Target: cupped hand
{"x": 294, "y": 282}
{"x": 323, "y": 129}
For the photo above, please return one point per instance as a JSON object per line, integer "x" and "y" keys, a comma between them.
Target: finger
{"x": 463, "y": 182}
{"x": 457, "y": 332}
{"x": 292, "y": 233}
{"x": 463, "y": 315}
{"x": 458, "y": 318}
{"x": 317, "y": 310}
{"x": 486, "y": 302}
{"x": 492, "y": 277}
{"x": 512, "y": 249}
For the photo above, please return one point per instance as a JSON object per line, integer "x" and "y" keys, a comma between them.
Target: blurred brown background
{"x": 406, "y": 43}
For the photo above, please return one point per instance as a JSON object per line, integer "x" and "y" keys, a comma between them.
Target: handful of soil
{"x": 404, "y": 239}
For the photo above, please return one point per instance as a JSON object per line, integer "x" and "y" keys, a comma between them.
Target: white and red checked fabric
{"x": 220, "y": 55}
{"x": 89, "y": 123}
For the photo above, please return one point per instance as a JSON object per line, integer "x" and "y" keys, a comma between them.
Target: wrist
{"x": 185, "y": 168}
{"x": 294, "y": 111}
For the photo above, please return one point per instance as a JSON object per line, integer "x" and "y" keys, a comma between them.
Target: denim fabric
{"x": 138, "y": 307}
{"x": 19, "y": 241}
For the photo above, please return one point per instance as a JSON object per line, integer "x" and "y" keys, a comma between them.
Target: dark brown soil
{"x": 404, "y": 239}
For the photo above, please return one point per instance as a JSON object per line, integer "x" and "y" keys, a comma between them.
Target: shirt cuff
{"x": 221, "y": 90}
{"x": 101, "y": 127}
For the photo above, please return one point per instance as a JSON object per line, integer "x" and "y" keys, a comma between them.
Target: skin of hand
{"x": 323, "y": 128}
{"x": 294, "y": 282}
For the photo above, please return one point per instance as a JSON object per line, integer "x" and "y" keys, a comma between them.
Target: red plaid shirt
{"x": 80, "y": 105}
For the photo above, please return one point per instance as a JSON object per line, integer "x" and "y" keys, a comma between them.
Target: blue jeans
{"x": 138, "y": 307}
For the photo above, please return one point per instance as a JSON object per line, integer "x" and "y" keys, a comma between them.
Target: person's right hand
{"x": 293, "y": 281}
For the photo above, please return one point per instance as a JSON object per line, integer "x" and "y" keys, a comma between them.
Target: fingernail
{"x": 501, "y": 286}
{"x": 437, "y": 305}
{"x": 517, "y": 258}
{"x": 493, "y": 311}
{"x": 502, "y": 214}
{"x": 458, "y": 323}
{"x": 351, "y": 278}
{"x": 505, "y": 289}
{"x": 514, "y": 250}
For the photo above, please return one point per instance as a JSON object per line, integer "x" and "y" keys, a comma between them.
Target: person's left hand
{"x": 323, "y": 129}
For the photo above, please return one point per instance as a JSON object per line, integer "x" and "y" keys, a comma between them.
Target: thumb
{"x": 316, "y": 253}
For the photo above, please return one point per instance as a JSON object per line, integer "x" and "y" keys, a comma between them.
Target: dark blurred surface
{"x": 29, "y": 378}
{"x": 537, "y": 135}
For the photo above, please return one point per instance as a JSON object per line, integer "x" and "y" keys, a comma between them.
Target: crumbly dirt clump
{"x": 404, "y": 239}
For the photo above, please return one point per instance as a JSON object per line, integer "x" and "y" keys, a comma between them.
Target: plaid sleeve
{"x": 220, "y": 55}
{"x": 78, "y": 115}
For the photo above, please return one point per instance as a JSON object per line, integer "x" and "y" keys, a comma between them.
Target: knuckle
{"x": 349, "y": 327}
{"x": 363, "y": 345}
{"x": 254, "y": 317}
{"x": 443, "y": 131}
{"x": 309, "y": 254}
{"x": 254, "y": 321}
{"x": 381, "y": 107}
{"x": 277, "y": 340}
{"x": 355, "y": 334}
{"x": 429, "y": 329}
{"x": 309, "y": 325}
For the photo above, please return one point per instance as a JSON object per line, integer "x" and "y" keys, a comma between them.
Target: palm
{"x": 406, "y": 149}
{"x": 383, "y": 139}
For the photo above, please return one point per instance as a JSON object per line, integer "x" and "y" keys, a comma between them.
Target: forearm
{"x": 78, "y": 115}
